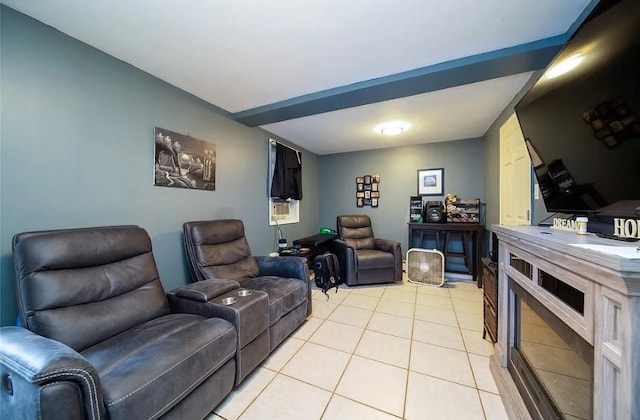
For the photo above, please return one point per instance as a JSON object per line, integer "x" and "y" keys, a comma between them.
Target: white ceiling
{"x": 277, "y": 60}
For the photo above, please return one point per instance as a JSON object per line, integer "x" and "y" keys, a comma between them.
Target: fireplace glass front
{"x": 550, "y": 363}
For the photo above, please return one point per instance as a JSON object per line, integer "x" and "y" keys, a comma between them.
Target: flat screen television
{"x": 582, "y": 127}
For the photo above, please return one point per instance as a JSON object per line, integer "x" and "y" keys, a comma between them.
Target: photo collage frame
{"x": 368, "y": 190}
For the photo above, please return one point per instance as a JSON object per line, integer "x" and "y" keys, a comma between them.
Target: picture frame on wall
{"x": 182, "y": 161}
{"x": 367, "y": 190}
{"x": 431, "y": 181}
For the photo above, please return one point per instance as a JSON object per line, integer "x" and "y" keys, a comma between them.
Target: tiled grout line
{"x": 277, "y": 372}
{"x": 415, "y": 293}
{"x": 477, "y": 389}
{"x": 413, "y": 328}
{"x": 353, "y": 353}
{"x": 333, "y": 392}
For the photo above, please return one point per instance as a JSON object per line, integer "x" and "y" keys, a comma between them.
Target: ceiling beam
{"x": 500, "y": 63}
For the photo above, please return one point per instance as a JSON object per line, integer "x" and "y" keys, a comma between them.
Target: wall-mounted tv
{"x": 582, "y": 127}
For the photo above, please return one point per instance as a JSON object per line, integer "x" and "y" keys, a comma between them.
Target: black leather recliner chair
{"x": 218, "y": 249}
{"x": 100, "y": 337}
{"x": 365, "y": 259}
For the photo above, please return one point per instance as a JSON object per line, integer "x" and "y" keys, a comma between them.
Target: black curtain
{"x": 287, "y": 174}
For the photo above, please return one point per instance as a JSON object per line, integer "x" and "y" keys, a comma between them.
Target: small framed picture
{"x": 597, "y": 124}
{"x": 375, "y": 194}
{"x": 367, "y": 179}
{"x": 374, "y": 186}
{"x": 367, "y": 187}
{"x": 360, "y": 180}
{"x": 374, "y": 202}
{"x": 360, "y": 194}
{"x": 375, "y": 178}
{"x": 367, "y": 194}
{"x": 431, "y": 181}
{"x": 367, "y": 201}
{"x": 360, "y": 202}
{"x": 360, "y": 187}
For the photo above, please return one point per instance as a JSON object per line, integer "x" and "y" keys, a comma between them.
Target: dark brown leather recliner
{"x": 365, "y": 259}
{"x": 100, "y": 337}
{"x": 218, "y": 249}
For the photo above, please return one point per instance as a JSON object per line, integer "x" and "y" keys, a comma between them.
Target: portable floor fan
{"x": 425, "y": 266}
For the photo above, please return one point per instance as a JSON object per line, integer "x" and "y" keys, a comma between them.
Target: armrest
{"x": 387, "y": 245}
{"x": 193, "y": 298}
{"x": 205, "y": 290}
{"x": 43, "y": 377}
{"x": 347, "y": 256}
{"x": 394, "y": 248}
{"x": 290, "y": 267}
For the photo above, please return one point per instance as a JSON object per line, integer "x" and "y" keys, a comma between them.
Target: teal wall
{"x": 398, "y": 168}
{"x": 77, "y": 150}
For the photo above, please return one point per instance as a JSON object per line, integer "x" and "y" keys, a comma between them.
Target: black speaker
{"x": 433, "y": 212}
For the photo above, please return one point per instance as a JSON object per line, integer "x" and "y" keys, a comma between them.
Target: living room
{"x": 77, "y": 151}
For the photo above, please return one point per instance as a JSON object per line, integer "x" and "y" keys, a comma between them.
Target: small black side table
{"x": 317, "y": 245}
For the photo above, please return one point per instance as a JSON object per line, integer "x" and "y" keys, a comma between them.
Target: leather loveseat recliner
{"x": 364, "y": 258}
{"x": 218, "y": 249}
{"x": 101, "y": 339}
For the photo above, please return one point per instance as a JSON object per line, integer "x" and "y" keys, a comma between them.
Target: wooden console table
{"x": 417, "y": 232}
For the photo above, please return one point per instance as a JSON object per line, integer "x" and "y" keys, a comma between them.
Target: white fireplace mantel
{"x": 608, "y": 273}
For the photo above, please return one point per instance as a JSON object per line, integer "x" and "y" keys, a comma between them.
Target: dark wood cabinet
{"x": 490, "y": 292}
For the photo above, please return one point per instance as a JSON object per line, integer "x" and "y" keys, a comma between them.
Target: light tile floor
{"x": 378, "y": 352}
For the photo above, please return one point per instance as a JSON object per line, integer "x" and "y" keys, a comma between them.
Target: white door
{"x": 515, "y": 175}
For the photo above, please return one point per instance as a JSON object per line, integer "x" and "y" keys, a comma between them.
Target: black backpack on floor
{"x": 326, "y": 269}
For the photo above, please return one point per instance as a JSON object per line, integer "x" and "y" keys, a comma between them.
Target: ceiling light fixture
{"x": 564, "y": 66}
{"x": 391, "y": 128}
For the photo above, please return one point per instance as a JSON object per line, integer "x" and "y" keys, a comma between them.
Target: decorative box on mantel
{"x": 463, "y": 211}
{"x": 569, "y": 319}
